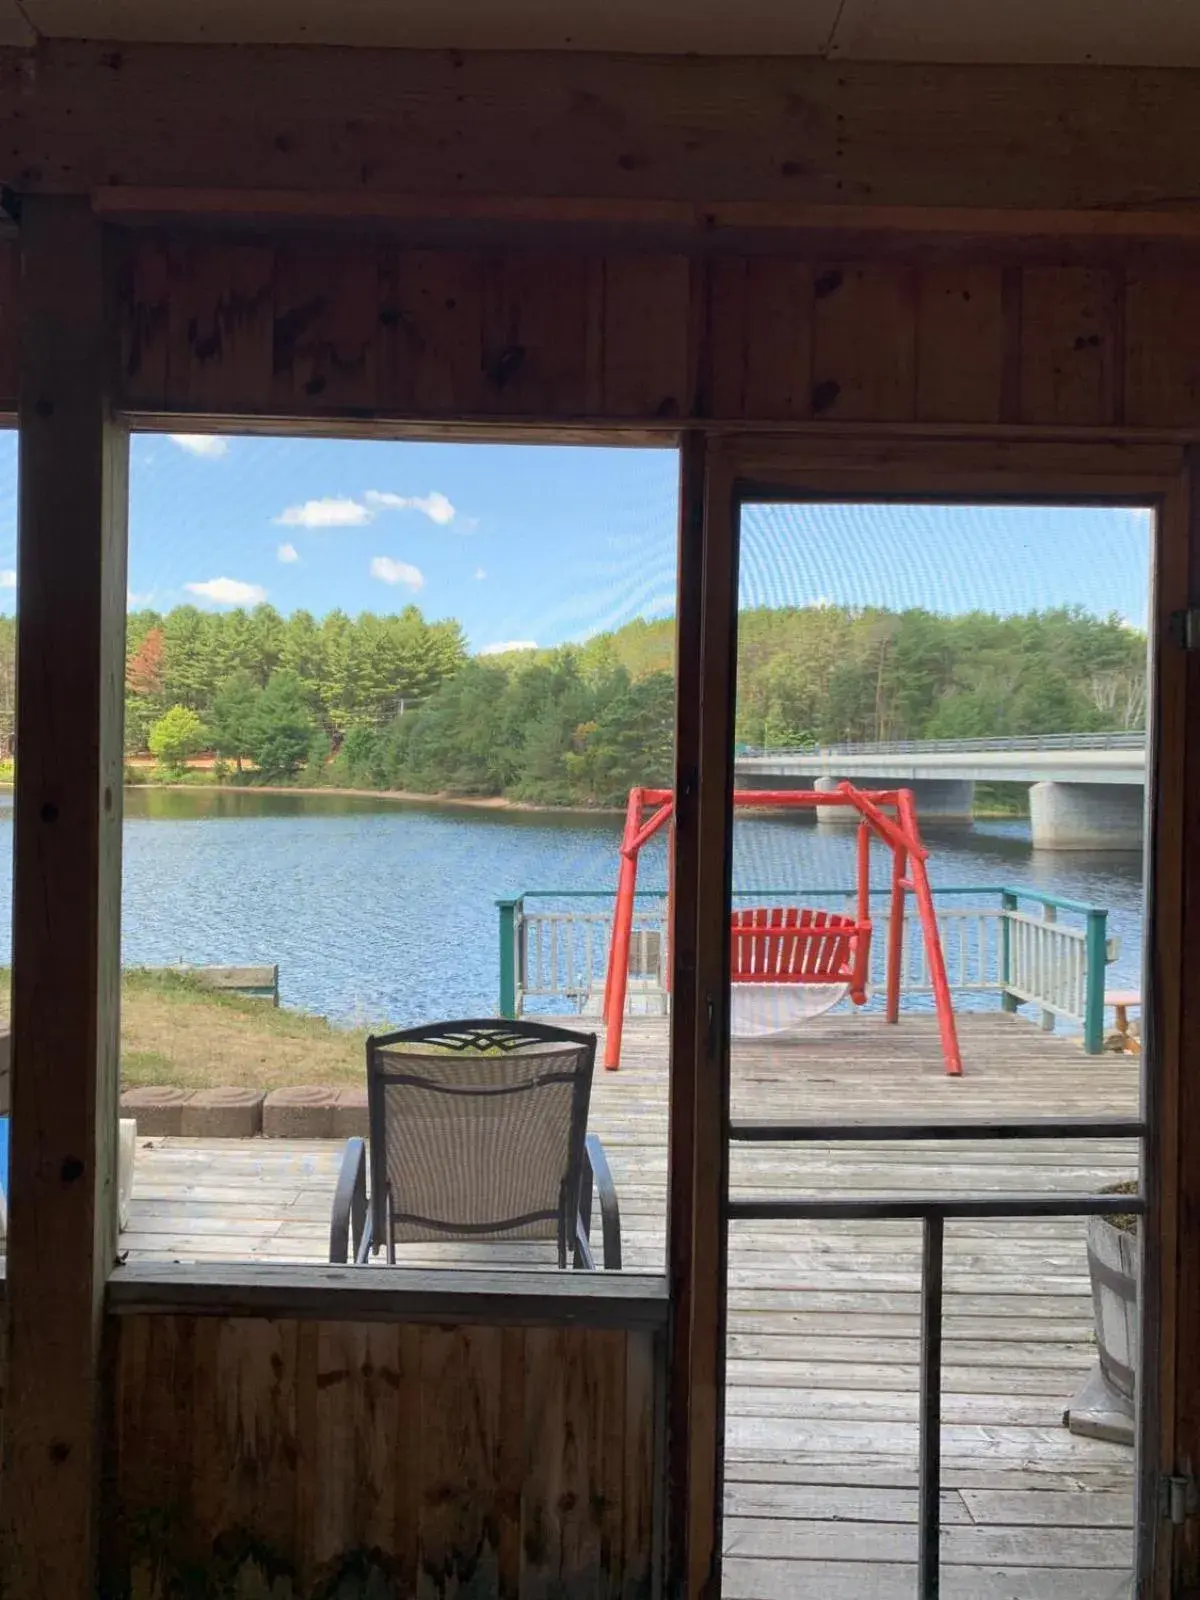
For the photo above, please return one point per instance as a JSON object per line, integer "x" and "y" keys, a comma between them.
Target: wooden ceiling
{"x": 1098, "y": 32}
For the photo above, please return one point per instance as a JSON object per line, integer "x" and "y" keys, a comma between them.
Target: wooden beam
{"x": 710, "y": 1112}
{"x": 1173, "y": 1033}
{"x": 80, "y": 116}
{"x": 66, "y": 920}
{"x": 684, "y": 1037}
{"x": 985, "y": 226}
{"x": 406, "y": 1294}
{"x": 1168, "y": 1160}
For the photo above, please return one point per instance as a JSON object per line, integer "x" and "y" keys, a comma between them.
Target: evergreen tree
{"x": 301, "y": 653}
{"x": 398, "y": 700}
{"x": 233, "y": 717}
{"x": 280, "y": 728}
{"x": 188, "y": 669}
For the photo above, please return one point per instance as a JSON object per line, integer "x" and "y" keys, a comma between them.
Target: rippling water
{"x": 379, "y": 912}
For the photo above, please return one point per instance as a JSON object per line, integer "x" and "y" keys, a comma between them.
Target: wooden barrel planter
{"x": 1113, "y": 1267}
{"x": 1104, "y": 1406}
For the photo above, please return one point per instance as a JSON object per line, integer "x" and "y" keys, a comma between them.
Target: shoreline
{"x": 399, "y": 796}
{"x": 443, "y": 801}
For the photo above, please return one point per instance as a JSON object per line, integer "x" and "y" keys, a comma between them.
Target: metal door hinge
{"x": 1178, "y": 1498}
{"x": 1185, "y": 628}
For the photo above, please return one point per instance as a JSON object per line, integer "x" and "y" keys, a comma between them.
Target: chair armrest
{"x": 610, "y": 1213}
{"x": 349, "y": 1204}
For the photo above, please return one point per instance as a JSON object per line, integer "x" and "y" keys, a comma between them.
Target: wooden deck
{"x": 823, "y": 1317}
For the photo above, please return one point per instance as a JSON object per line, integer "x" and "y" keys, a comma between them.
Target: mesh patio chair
{"x": 478, "y": 1131}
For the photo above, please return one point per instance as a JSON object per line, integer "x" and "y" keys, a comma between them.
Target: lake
{"x": 383, "y": 912}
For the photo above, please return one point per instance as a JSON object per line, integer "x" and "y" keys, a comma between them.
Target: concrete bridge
{"x": 1086, "y": 790}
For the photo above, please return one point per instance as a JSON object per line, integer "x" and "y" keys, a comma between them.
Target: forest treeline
{"x": 398, "y": 702}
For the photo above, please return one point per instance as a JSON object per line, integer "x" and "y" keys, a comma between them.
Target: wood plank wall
{"x": 412, "y": 1459}
{"x": 9, "y": 264}
{"x": 371, "y": 328}
{"x": 309, "y": 331}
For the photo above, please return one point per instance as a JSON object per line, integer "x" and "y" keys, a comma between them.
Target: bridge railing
{"x": 914, "y": 747}
{"x": 1018, "y": 945}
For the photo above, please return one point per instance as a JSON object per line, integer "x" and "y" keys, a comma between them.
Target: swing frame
{"x": 771, "y": 949}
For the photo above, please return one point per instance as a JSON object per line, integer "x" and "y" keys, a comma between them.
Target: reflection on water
{"x": 382, "y": 912}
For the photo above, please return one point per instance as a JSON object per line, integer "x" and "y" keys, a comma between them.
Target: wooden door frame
{"x": 62, "y": 1238}
{"x": 720, "y": 473}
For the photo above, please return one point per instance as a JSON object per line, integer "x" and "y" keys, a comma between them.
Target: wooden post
{"x": 1169, "y": 1402}
{"x": 508, "y": 910}
{"x": 1093, "y": 997}
{"x": 1008, "y": 903}
{"x": 685, "y": 1039}
{"x": 699, "y": 1154}
{"x": 66, "y": 914}
{"x": 1049, "y": 969}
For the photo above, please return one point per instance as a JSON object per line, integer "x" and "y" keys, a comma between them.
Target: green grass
{"x": 174, "y": 1031}
{"x": 189, "y": 777}
{"x": 181, "y": 988}
{"x": 146, "y": 1066}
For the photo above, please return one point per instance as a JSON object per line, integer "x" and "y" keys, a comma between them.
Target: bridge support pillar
{"x": 1087, "y": 816}
{"x": 941, "y": 802}
{"x": 835, "y": 816}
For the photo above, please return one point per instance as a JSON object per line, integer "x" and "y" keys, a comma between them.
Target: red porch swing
{"x": 797, "y": 946}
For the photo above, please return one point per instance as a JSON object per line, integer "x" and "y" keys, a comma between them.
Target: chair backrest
{"x": 477, "y": 1131}
{"x": 793, "y": 946}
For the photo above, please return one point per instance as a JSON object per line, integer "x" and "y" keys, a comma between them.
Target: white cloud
{"x": 287, "y": 553}
{"x": 389, "y": 571}
{"x": 480, "y": 573}
{"x": 331, "y": 512}
{"x": 507, "y": 646}
{"x": 8, "y": 578}
{"x": 434, "y": 505}
{"x": 228, "y": 591}
{"x": 210, "y": 445}
{"x": 341, "y": 511}
{"x": 133, "y": 600}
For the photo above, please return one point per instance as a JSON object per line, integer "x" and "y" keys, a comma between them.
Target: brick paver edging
{"x": 307, "y": 1111}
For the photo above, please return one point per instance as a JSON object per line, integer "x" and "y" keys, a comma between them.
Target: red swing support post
{"x": 616, "y": 979}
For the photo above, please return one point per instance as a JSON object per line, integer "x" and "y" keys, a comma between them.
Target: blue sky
{"x": 541, "y": 545}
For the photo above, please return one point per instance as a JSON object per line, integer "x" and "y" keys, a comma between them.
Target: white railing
{"x": 972, "y": 946}
{"x": 1047, "y": 964}
{"x": 564, "y": 954}
{"x": 995, "y": 948}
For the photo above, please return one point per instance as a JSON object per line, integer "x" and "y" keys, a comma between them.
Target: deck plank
{"x": 823, "y": 1316}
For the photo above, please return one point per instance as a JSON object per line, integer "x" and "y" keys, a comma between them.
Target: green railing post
{"x": 508, "y": 956}
{"x": 1096, "y": 957}
{"x": 1008, "y": 902}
